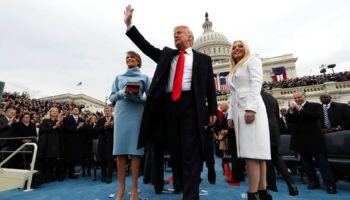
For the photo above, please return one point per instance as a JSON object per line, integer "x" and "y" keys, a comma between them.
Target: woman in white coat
{"x": 248, "y": 116}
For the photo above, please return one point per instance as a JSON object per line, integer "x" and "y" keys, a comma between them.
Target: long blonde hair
{"x": 48, "y": 114}
{"x": 234, "y": 65}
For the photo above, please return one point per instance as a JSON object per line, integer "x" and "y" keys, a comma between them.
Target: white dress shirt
{"x": 187, "y": 76}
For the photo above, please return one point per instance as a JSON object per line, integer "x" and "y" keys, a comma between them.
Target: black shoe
{"x": 158, "y": 188}
{"x": 293, "y": 190}
{"x": 211, "y": 176}
{"x": 108, "y": 180}
{"x": 264, "y": 195}
{"x": 253, "y": 196}
{"x": 313, "y": 186}
{"x": 331, "y": 190}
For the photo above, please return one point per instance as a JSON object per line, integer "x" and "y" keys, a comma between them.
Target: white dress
{"x": 253, "y": 140}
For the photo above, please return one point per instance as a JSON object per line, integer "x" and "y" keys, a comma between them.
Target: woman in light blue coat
{"x": 128, "y": 114}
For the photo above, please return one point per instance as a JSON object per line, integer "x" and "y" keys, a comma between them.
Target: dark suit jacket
{"x": 5, "y": 131}
{"x": 19, "y": 129}
{"x": 307, "y": 135}
{"x": 203, "y": 89}
{"x": 105, "y": 140}
{"x": 339, "y": 115}
{"x": 72, "y": 142}
{"x": 284, "y": 130}
{"x": 272, "y": 110}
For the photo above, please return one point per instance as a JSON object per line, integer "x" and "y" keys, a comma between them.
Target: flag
{"x": 223, "y": 81}
{"x": 216, "y": 82}
{"x": 80, "y": 83}
{"x": 279, "y": 73}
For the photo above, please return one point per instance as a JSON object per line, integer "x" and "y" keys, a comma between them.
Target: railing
{"x": 32, "y": 164}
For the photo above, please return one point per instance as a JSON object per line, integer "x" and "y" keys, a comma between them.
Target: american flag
{"x": 223, "y": 81}
{"x": 216, "y": 81}
{"x": 279, "y": 73}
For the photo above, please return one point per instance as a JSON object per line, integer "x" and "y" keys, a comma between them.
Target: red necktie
{"x": 177, "y": 86}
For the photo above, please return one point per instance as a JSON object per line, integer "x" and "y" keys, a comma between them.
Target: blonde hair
{"x": 234, "y": 65}
{"x": 187, "y": 31}
{"x": 48, "y": 114}
{"x": 89, "y": 118}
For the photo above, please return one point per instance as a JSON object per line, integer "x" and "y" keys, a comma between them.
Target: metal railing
{"x": 32, "y": 164}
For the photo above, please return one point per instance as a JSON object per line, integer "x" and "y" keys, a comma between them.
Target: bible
{"x": 132, "y": 87}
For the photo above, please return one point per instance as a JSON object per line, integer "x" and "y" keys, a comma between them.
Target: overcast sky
{"x": 47, "y": 47}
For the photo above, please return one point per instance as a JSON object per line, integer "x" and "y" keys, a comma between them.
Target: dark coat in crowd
{"x": 272, "y": 110}
{"x": 105, "y": 140}
{"x": 307, "y": 135}
{"x": 72, "y": 142}
{"x": 49, "y": 140}
{"x": 89, "y": 133}
{"x": 19, "y": 129}
{"x": 284, "y": 126}
{"x": 5, "y": 131}
{"x": 339, "y": 115}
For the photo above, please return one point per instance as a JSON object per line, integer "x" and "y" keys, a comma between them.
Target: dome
{"x": 212, "y": 43}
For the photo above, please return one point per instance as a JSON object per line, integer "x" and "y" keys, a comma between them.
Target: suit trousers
{"x": 184, "y": 144}
{"x": 323, "y": 165}
{"x": 276, "y": 161}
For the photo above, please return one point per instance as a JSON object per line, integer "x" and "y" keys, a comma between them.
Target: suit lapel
{"x": 195, "y": 62}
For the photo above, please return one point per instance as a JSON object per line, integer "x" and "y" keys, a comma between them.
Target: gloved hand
{"x": 134, "y": 97}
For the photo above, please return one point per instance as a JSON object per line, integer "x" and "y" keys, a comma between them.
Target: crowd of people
{"x": 308, "y": 80}
{"x": 62, "y": 141}
{"x": 22, "y": 103}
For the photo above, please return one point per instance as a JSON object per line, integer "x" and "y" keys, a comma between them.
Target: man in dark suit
{"x": 105, "y": 128}
{"x": 183, "y": 93}
{"x": 284, "y": 127}
{"x": 336, "y": 116}
{"x": 5, "y": 126}
{"x": 72, "y": 142}
{"x": 272, "y": 110}
{"x": 309, "y": 141}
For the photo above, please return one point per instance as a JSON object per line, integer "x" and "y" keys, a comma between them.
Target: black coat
{"x": 307, "y": 135}
{"x": 5, "y": 131}
{"x": 272, "y": 110}
{"x": 89, "y": 133}
{"x": 203, "y": 89}
{"x": 105, "y": 140}
{"x": 73, "y": 139}
{"x": 284, "y": 127}
{"x": 49, "y": 143}
{"x": 19, "y": 129}
{"x": 339, "y": 115}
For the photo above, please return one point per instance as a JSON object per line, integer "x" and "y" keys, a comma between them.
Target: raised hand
{"x": 128, "y": 15}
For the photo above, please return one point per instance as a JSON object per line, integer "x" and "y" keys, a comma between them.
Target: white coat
{"x": 253, "y": 140}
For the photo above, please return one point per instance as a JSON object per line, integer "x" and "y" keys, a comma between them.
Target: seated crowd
{"x": 308, "y": 80}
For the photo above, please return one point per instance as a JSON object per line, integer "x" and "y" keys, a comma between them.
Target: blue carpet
{"x": 85, "y": 188}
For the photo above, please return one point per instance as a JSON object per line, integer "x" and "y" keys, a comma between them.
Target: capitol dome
{"x": 212, "y": 43}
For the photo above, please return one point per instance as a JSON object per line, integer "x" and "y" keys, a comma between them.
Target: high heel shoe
{"x": 293, "y": 190}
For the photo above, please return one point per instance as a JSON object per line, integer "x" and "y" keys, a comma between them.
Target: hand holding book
{"x": 132, "y": 87}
